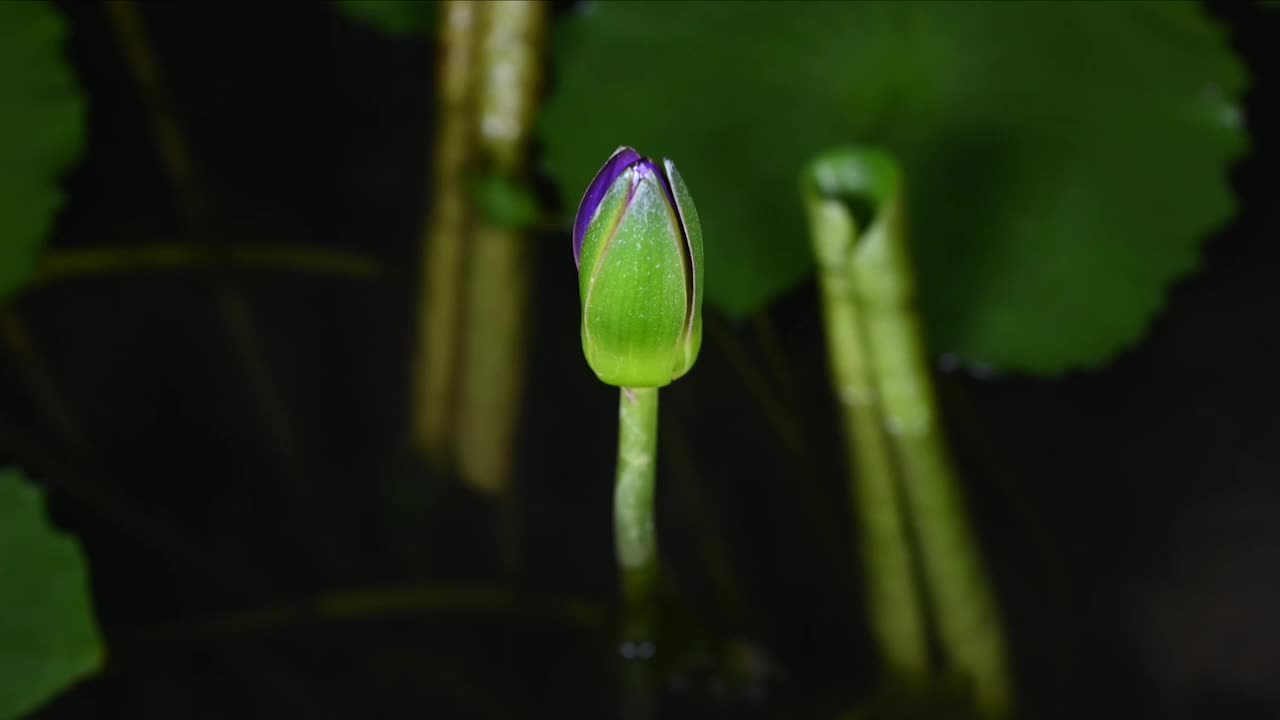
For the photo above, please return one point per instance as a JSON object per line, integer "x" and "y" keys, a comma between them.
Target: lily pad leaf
{"x": 42, "y": 129}
{"x": 1063, "y": 161}
{"x": 395, "y": 17}
{"x": 48, "y": 637}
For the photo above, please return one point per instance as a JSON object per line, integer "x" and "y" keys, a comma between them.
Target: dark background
{"x": 1131, "y": 512}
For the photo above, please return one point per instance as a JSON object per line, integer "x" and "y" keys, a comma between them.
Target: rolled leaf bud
{"x": 638, "y": 246}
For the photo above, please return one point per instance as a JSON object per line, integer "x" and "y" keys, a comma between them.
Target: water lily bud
{"x": 638, "y": 246}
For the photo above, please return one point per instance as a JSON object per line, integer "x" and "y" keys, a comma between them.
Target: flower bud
{"x": 638, "y": 246}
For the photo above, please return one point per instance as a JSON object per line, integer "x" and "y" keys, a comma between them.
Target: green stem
{"x": 873, "y": 317}
{"x": 635, "y": 539}
{"x": 635, "y": 542}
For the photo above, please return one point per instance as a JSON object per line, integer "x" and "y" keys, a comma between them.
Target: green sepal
{"x": 692, "y": 341}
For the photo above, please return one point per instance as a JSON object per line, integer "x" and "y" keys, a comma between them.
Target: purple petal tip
{"x": 623, "y": 158}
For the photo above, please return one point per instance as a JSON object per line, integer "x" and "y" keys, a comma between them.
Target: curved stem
{"x": 873, "y": 319}
{"x": 894, "y": 601}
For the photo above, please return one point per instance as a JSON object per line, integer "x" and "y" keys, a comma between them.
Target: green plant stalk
{"x": 894, "y": 601}
{"x": 635, "y": 539}
{"x": 512, "y": 40}
{"x": 635, "y": 544}
{"x": 880, "y": 300}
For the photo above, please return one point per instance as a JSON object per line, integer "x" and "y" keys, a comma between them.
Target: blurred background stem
{"x": 470, "y": 368}
{"x": 72, "y": 263}
{"x": 382, "y": 603}
{"x": 46, "y": 392}
{"x": 445, "y": 235}
{"x": 512, "y": 59}
{"x": 233, "y": 308}
{"x": 874, "y": 334}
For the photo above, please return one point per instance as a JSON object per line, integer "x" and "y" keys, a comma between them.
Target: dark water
{"x": 1130, "y": 512}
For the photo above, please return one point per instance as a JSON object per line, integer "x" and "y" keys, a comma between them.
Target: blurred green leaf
{"x": 397, "y": 17}
{"x": 41, "y": 133}
{"x": 505, "y": 203}
{"x": 1063, "y": 161}
{"x": 48, "y": 638}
